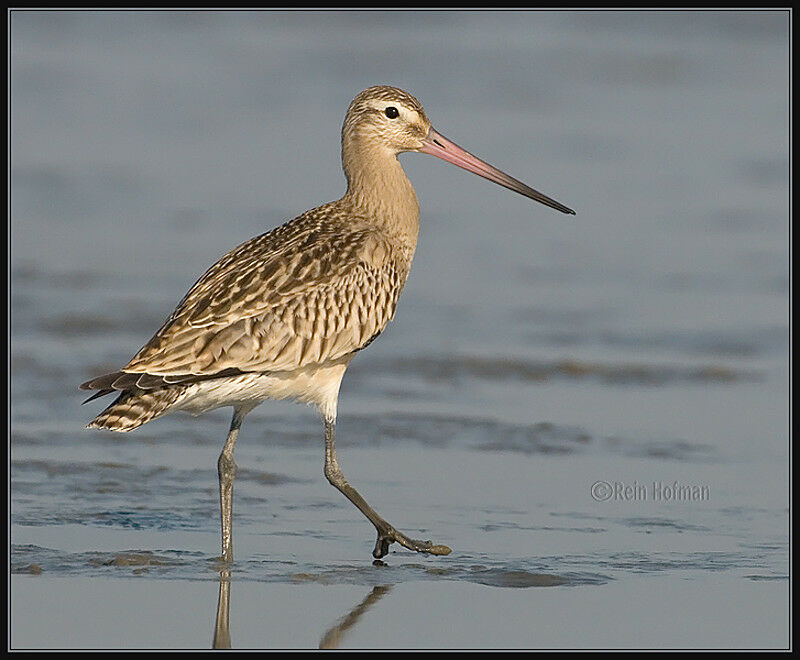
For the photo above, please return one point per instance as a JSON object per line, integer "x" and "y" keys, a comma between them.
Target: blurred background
{"x": 532, "y": 354}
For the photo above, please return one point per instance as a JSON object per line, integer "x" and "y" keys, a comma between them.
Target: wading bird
{"x": 282, "y": 315}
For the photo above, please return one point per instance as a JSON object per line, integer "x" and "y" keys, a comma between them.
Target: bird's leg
{"x": 386, "y": 533}
{"x": 226, "y": 469}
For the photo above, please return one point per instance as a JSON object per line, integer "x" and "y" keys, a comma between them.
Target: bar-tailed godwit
{"x": 282, "y": 315}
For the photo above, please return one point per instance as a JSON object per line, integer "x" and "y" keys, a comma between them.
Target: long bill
{"x": 437, "y": 145}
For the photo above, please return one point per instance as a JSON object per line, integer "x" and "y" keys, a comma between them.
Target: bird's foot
{"x": 224, "y": 562}
{"x": 390, "y": 535}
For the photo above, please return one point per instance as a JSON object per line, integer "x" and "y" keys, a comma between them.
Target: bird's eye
{"x": 391, "y": 112}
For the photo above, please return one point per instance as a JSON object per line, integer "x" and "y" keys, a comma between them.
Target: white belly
{"x": 318, "y": 385}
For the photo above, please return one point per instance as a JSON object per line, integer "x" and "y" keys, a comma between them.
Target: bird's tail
{"x": 136, "y": 407}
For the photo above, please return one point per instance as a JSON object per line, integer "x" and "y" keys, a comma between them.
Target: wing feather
{"x": 312, "y": 290}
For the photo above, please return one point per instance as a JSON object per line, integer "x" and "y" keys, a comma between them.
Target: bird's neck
{"x": 377, "y": 185}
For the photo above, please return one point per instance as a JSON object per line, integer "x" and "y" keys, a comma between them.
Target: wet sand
{"x": 132, "y": 614}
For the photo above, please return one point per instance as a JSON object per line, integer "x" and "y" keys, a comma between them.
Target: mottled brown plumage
{"x": 282, "y": 315}
{"x": 313, "y": 290}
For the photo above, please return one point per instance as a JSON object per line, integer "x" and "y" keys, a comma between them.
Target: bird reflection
{"x": 222, "y": 630}
{"x": 332, "y": 638}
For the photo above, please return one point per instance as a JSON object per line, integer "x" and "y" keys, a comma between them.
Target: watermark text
{"x": 653, "y": 491}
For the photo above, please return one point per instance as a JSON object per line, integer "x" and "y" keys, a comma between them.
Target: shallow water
{"x": 591, "y": 411}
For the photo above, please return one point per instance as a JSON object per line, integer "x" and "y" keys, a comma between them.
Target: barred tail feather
{"x": 134, "y": 408}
